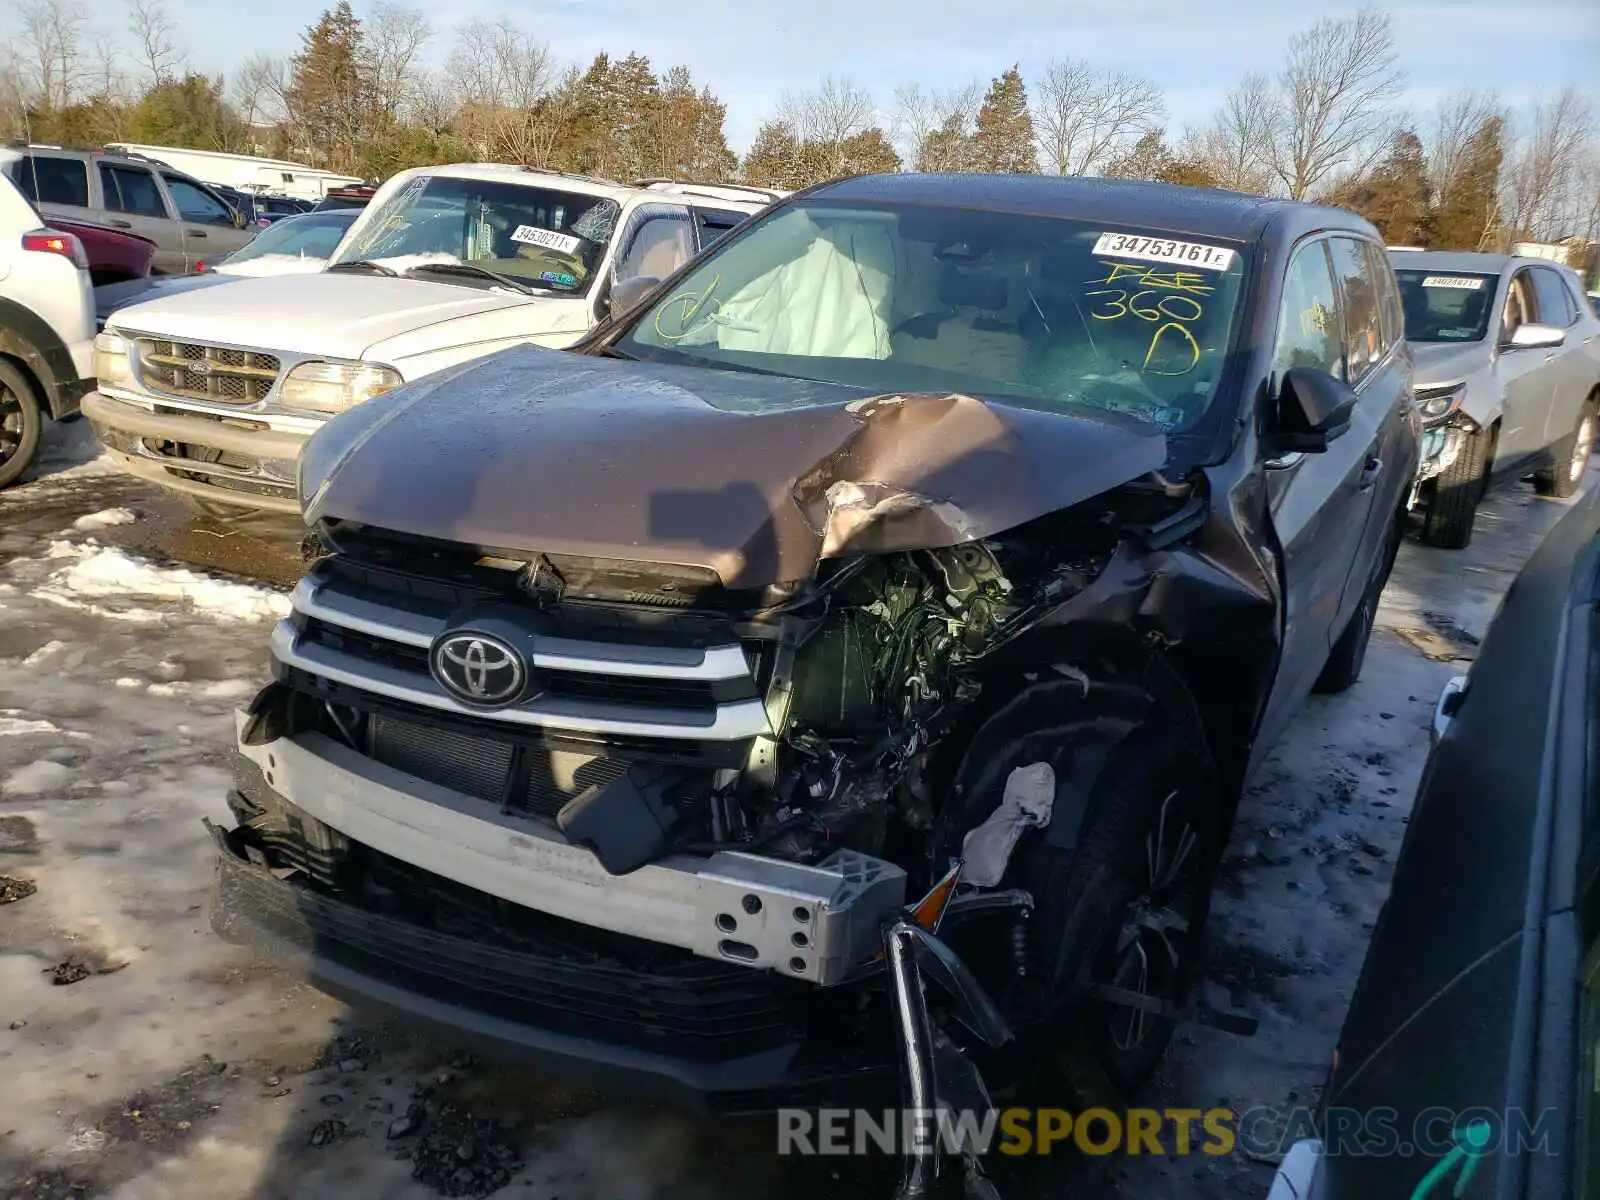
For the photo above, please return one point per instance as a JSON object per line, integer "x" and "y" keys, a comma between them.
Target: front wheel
{"x": 21, "y": 421}
{"x": 1569, "y": 458}
{"x": 1453, "y": 507}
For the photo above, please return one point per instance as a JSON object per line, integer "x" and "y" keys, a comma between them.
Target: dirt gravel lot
{"x": 140, "y": 1057}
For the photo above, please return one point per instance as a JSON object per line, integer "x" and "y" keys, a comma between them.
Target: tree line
{"x": 371, "y": 96}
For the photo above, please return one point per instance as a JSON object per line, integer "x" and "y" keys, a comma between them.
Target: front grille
{"x": 201, "y": 372}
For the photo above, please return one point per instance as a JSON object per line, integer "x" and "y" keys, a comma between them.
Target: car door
{"x": 1318, "y": 502}
{"x": 208, "y": 224}
{"x": 656, "y": 240}
{"x": 58, "y": 185}
{"x": 1570, "y": 368}
{"x": 1527, "y": 381}
{"x": 135, "y": 202}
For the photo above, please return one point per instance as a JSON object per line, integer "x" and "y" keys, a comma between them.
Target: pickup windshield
{"x": 543, "y": 237}
{"x": 1446, "y": 306}
{"x": 1056, "y": 312}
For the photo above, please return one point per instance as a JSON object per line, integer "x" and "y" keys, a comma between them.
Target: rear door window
{"x": 131, "y": 190}
{"x": 713, "y": 224}
{"x": 1308, "y": 322}
{"x": 1362, "y": 305}
{"x": 47, "y": 180}
{"x": 1555, "y": 303}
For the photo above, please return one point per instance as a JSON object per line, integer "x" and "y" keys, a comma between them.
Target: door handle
{"x": 194, "y": 233}
{"x": 119, "y": 224}
{"x": 1369, "y": 474}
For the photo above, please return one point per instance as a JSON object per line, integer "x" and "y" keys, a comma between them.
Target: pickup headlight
{"x": 331, "y": 387}
{"x": 111, "y": 365}
{"x": 1437, "y": 403}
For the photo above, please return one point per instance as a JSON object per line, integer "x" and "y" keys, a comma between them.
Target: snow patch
{"x": 105, "y": 519}
{"x": 101, "y": 572}
{"x": 43, "y": 652}
{"x": 35, "y": 778}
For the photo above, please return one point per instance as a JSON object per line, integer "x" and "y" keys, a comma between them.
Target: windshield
{"x": 313, "y": 235}
{"x": 1446, "y": 307}
{"x": 550, "y": 239}
{"x": 913, "y": 298}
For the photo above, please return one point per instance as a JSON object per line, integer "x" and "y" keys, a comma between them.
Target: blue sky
{"x": 751, "y": 53}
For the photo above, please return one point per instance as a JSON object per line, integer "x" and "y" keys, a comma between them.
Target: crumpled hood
{"x": 333, "y": 316}
{"x": 1448, "y": 362}
{"x": 753, "y": 476}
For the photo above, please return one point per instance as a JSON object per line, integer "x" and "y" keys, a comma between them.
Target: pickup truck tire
{"x": 1099, "y": 900}
{"x": 1453, "y": 507}
{"x": 21, "y": 420}
{"x": 1568, "y": 458}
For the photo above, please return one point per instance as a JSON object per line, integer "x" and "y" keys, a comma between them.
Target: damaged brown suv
{"x": 898, "y": 594}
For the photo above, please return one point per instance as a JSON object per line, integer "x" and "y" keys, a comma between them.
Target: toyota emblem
{"x": 478, "y": 668}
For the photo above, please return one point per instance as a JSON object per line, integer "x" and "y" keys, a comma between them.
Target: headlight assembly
{"x": 111, "y": 365}
{"x": 332, "y": 387}
{"x": 1437, "y": 403}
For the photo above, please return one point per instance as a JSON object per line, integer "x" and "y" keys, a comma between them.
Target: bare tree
{"x": 14, "y": 95}
{"x": 830, "y": 114}
{"x": 1541, "y": 185}
{"x": 1086, "y": 115}
{"x": 258, "y": 91}
{"x": 432, "y": 102}
{"x": 152, "y": 31}
{"x": 1335, "y": 95}
{"x": 51, "y": 47}
{"x": 1237, "y": 148}
{"x": 1460, "y": 115}
{"x": 391, "y": 38}
{"x": 498, "y": 64}
{"x": 920, "y": 113}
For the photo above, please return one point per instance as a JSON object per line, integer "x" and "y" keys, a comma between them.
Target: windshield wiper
{"x": 466, "y": 268}
{"x": 363, "y": 264}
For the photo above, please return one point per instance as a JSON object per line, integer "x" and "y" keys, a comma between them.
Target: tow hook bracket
{"x": 1195, "y": 1014}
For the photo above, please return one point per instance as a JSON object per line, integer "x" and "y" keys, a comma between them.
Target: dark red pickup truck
{"x": 114, "y": 254}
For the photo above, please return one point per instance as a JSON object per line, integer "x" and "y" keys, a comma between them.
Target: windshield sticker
{"x": 1169, "y": 300}
{"x": 560, "y": 277}
{"x": 532, "y": 235}
{"x": 1465, "y": 282}
{"x": 1165, "y": 250}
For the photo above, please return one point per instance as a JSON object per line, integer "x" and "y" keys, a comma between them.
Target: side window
{"x": 1308, "y": 322}
{"x": 1550, "y": 294}
{"x": 1519, "y": 306}
{"x": 715, "y": 223}
{"x": 1388, "y": 296}
{"x": 131, "y": 190}
{"x": 46, "y": 180}
{"x": 1358, "y": 295}
{"x": 196, "y": 204}
{"x": 660, "y": 244}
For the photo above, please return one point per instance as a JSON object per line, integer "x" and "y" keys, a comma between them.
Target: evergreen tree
{"x": 1461, "y": 217}
{"x": 1394, "y": 197}
{"x": 330, "y": 97}
{"x": 1004, "y": 140}
{"x": 186, "y": 112}
{"x": 947, "y": 148}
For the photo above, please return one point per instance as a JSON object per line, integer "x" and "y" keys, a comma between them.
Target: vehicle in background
{"x": 1508, "y": 379}
{"x": 293, "y": 246}
{"x": 115, "y": 255}
{"x": 1470, "y": 1045}
{"x": 898, "y": 546}
{"x": 259, "y": 209}
{"x": 189, "y": 223}
{"x": 446, "y": 264}
{"x": 357, "y": 196}
{"x": 246, "y": 172}
{"x": 46, "y": 328}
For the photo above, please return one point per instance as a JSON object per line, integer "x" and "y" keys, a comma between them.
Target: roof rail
{"x": 724, "y": 190}
{"x": 572, "y": 175}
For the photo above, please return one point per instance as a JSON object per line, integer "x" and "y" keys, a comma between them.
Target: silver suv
{"x": 188, "y": 221}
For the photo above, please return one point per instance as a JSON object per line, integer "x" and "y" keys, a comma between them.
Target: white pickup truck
{"x": 213, "y": 392}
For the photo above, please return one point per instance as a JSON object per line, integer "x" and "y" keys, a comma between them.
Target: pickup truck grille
{"x": 201, "y": 372}
{"x": 600, "y": 686}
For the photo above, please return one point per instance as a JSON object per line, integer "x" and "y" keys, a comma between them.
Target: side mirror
{"x": 626, "y": 293}
{"x": 1534, "y": 336}
{"x": 1312, "y": 409}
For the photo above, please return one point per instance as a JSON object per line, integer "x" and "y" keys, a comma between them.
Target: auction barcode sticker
{"x": 1469, "y": 283}
{"x": 1164, "y": 250}
{"x": 532, "y": 235}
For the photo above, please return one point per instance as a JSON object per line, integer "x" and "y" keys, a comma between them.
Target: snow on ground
{"x": 145, "y": 1059}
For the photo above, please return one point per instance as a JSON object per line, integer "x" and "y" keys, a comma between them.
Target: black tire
{"x": 1154, "y": 778}
{"x": 1564, "y": 471}
{"x": 1343, "y": 668}
{"x": 1453, "y": 507}
{"x": 21, "y": 421}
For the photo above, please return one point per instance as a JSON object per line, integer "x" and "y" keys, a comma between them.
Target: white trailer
{"x": 246, "y": 172}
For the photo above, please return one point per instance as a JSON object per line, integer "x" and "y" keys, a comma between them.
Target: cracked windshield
{"x": 1057, "y": 312}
